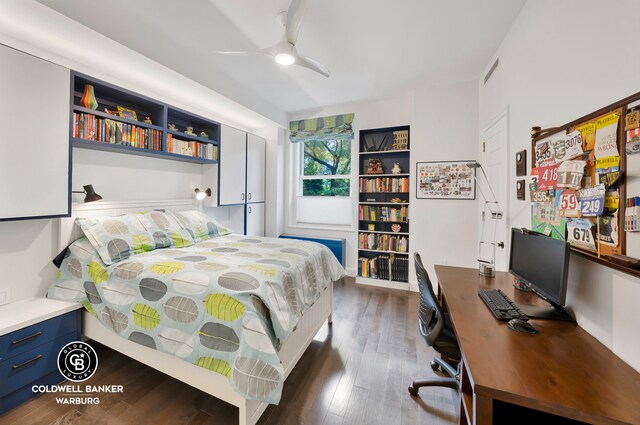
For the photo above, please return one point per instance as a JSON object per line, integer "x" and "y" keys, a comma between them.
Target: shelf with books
{"x": 383, "y": 242}
{"x": 383, "y": 233}
{"x": 383, "y": 208}
{"x": 385, "y": 152}
{"x": 112, "y": 147}
{"x": 384, "y": 251}
{"x": 127, "y": 122}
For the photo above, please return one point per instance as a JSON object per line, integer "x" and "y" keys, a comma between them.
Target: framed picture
{"x": 127, "y": 113}
{"x": 445, "y": 180}
{"x": 371, "y": 227}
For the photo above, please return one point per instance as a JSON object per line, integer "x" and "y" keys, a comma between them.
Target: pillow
{"x": 118, "y": 238}
{"x": 200, "y": 226}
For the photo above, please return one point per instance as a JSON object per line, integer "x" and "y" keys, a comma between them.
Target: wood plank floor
{"x": 355, "y": 372}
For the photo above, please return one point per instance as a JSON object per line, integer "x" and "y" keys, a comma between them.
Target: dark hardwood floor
{"x": 355, "y": 372}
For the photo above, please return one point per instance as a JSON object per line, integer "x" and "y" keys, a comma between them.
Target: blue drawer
{"x": 25, "y": 339}
{"x": 25, "y": 393}
{"x": 28, "y": 367}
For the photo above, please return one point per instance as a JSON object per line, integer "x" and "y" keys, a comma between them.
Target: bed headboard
{"x": 69, "y": 232}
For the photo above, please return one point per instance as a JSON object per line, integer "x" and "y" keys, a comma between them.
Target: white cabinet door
{"x": 233, "y": 158}
{"x": 255, "y": 219}
{"x": 34, "y": 141}
{"x": 256, "y": 150}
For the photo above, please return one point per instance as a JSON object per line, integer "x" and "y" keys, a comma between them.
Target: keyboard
{"x": 501, "y": 305}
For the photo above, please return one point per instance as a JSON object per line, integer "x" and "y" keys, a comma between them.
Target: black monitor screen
{"x": 542, "y": 262}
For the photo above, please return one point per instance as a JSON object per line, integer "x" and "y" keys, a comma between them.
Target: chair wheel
{"x": 434, "y": 366}
{"x": 413, "y": 391}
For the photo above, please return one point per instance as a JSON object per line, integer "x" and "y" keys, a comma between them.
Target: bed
{"x": 231, "y": 259}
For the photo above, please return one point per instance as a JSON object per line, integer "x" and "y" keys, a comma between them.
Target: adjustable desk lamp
{"x": 486, "y": 267}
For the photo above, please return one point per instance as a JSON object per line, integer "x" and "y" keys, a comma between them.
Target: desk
{"x": 508, "y": 375}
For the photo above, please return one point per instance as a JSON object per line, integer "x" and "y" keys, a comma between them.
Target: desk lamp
{"x": 91, "y": 195}
{"x": 486, "y": 266}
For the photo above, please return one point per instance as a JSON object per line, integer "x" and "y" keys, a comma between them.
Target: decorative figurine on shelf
{"x": 371, "y": 227}
{"x": 395, "y": 228}
{"x": 397, "y": 200}
{"x": 111, "y": 111}
{"x": 172, "y": 127}
{"x": 204, "y": 135}
{"x": 189, "y": 131}
{"x": 89, "y": 98}
{"x": 396, "y": 168}
{"x": 375, "y": 166}
{"x": 147, "y": 120}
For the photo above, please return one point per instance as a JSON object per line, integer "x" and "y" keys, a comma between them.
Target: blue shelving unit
{"x": 161, "y": 114}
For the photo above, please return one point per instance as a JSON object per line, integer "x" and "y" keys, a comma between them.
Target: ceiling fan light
{"x": 285, "y": 59}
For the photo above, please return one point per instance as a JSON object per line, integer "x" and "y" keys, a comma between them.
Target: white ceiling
{"x": 373, "y": 48}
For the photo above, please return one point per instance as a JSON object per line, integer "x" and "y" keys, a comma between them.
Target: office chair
{"x": 437, "y": 332}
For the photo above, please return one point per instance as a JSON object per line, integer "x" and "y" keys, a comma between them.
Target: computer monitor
{"x": 543, "y": 263}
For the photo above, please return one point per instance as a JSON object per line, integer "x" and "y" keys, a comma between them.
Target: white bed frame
{"x": 210, "y": 382}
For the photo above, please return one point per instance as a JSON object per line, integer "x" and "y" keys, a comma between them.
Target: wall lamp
{"x": 91, "y": 194}
{"x": 201, "y": 194}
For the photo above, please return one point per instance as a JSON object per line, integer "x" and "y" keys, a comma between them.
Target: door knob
{"x": 500, "y": 244}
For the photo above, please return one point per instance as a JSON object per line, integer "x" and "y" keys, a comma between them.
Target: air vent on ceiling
{"x": 491, "y": 70}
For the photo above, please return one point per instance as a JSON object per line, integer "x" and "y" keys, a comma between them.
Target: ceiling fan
{"x": 285, "y": 52}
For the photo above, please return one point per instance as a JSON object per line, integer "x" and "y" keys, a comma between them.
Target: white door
{"x": 255, "y": 220}
{"x": 256, "y": 150}
{"x": 495, "y": 163}
{"x": 233, "y": 159}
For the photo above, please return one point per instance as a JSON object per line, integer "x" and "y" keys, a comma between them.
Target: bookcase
{"x": 383, "y": 207}
{"x": 145, "y": 126}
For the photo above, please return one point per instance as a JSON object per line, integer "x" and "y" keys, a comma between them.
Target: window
{"x": 326, "y": 168}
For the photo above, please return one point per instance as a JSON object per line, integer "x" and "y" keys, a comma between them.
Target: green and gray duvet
{"x": 225, "y": 304}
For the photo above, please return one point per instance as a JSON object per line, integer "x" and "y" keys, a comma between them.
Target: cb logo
{"x": 77, "y": 361}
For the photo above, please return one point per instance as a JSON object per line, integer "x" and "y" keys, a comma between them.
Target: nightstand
{"x": 32, "y": 333}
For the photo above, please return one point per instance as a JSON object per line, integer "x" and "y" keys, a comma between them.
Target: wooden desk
{"x": 509, "y": 375}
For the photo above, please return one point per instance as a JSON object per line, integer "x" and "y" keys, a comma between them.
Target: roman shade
{"x": 321, "y": 129}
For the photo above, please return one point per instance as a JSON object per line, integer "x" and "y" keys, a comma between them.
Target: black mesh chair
{"x": 437, "y": 332}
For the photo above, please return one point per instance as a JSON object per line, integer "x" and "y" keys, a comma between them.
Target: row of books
{"x": 384, "y": 184}
{"x": 90, "y": 127}
{"x": 390, "y": 214}
{"x": 189, "y": 148}
{"x": 388, "y": 267}
{"x": 383, "y": 242}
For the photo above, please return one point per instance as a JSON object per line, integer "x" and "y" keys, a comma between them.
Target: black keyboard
{"x": 501, "y": 305}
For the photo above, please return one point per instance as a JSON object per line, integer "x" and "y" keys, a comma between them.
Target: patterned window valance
{"x": 321, "y": 129}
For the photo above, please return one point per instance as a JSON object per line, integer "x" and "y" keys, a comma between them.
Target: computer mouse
{"x": 520, "y": 325}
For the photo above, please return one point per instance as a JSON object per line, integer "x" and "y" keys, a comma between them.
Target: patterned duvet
{"x": 225, "y": 304}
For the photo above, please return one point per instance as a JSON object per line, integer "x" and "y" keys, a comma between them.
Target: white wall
{"x": 444, "y": 122}
{"x": 562, "y": 60}
{"x": 26, "y": 248}
{"x": 444, "y": 129}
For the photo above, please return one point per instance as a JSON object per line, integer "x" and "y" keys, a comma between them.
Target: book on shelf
{"x": 385, "y": 266}
{"x": 384, "y": 184}
{"x": 191, "y": 148}
{"x": 91, "y": 127}
{"x": 383, "y": 242}
{"x": 387, "y": 214}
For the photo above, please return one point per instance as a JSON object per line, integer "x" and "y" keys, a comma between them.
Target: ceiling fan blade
{"x": 268, "y": 51}
{"x": 312, "y": 64}
{"x": 237, "y": 53}
{"x": 294, "y": 20}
